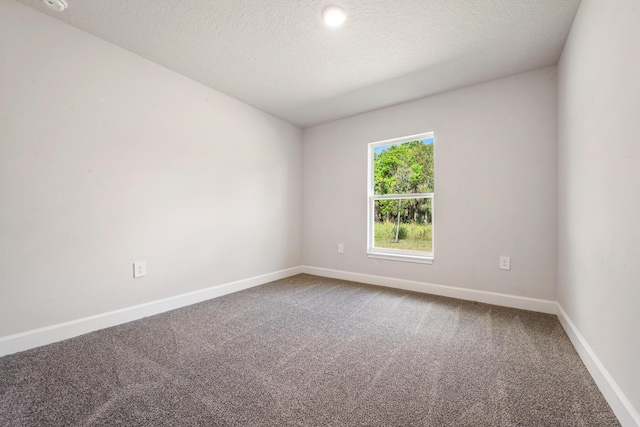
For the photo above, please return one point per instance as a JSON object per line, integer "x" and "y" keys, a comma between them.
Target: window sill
{"x": 398, "y": 257}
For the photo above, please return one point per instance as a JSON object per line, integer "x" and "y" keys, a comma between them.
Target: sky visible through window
{"x": 381, "y": 148}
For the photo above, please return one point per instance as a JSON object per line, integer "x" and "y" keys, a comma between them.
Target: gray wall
{"x": 495, "y": 172}
{"x": 106, "y": 158}
{"x": 599, "y": 185}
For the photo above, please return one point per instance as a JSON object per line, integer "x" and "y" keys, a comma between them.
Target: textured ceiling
{"x": 278, "y": 56}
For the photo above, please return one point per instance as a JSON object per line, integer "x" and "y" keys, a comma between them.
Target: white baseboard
{"x": 504, "y": 300}
{"x": 62, "y": 331}
{"x": 626, "y": 413}
{"x": 622, "y": 408}
{"x": 620, "y": 405}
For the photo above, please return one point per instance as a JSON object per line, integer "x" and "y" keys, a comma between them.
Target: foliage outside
{"x": 404, "y": 223}
{"x": 412, "y": 236}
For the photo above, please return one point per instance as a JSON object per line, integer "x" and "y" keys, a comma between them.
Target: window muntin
{"x": 400, "y": 198}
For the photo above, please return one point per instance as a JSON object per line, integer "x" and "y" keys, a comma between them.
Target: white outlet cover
{"x": 505, "y": 263}
{"x": 139, "y": 269}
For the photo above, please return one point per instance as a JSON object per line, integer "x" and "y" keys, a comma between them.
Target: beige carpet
{"x": 309, "y": 351}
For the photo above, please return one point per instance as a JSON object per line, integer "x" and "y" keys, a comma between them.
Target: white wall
{"x": 599, "y": 185}
{"x": 495, "y": 172}
{"x": 106, "y": 158}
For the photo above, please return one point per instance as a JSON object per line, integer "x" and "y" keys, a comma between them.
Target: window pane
{"x": 403, "y": 168}
{"x": 410, "y": 230}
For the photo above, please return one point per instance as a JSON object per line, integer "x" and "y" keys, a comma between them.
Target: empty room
{"x": 319, "y": 213}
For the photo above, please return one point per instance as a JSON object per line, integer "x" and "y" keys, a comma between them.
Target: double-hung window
{"x": 401, "y": 199}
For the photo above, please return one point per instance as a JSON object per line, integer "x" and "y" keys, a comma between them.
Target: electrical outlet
{"x": 139, "y": 269}
{"x": 505, "y": 263}
{"x": 340, "y": 248}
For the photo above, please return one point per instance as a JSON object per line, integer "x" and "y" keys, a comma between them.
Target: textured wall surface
{"x": 495, "y": 186}
{"x": 277, "y": 55}
{"x": 107, "y": 158}
{"x": 599, "y": 178}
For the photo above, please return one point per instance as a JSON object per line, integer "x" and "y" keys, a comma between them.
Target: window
{"x": 400, "y": 199}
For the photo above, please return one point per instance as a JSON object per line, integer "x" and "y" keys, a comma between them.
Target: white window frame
{"x": 396, "y": 254}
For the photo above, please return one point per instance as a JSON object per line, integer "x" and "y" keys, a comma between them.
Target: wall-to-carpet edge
{"x": 621, "y": 406}
{"x": 619, "y": 403}
{"x": 62, "y": 331}
{"x": 504, "y": 300}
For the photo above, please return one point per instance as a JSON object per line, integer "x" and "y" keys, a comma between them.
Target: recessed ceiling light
{"x": 334, "y": 15}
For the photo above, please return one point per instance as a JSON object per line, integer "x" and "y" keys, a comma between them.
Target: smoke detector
{"x": 57, "y": 5}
